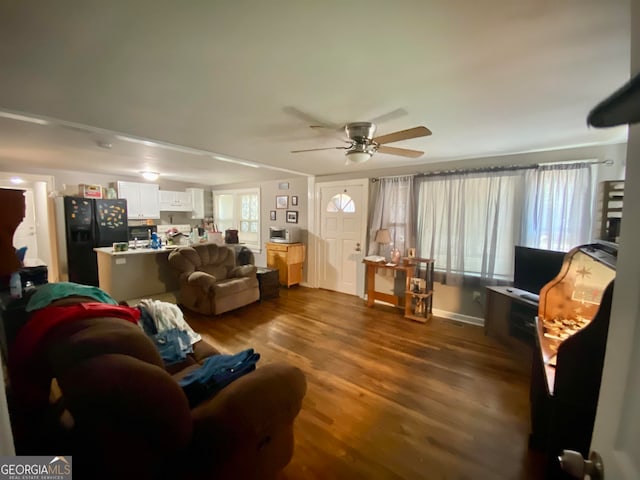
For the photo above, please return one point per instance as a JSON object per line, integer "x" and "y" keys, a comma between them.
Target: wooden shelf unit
{"x": 418, "y": 306}
{"x": 611, "y": 199}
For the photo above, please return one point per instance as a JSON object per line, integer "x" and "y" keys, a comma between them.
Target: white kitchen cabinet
{"x": 197, "y": 202}
{"x": 142, "y": 199}
{"x": 171, "y": 201}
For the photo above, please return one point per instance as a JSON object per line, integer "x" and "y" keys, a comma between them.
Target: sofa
{"x": 114, "y": 407}
{"x": 209, "y": 280}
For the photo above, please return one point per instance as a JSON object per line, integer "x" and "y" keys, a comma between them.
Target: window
{"x": 393, "y": 209}
{"x": 239, "y": 210}
{"x": 469, "y": 223}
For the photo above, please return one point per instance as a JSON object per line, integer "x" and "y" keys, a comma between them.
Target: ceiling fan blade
{"x": 403, "y": 152}
{"x": 392, "y": 115}
{"x": 403, "y": 135}
{"x": 314, "y": 122}
{"x": 317, "y": 149}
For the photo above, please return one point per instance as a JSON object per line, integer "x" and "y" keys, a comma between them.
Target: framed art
{"x": 292, "y": 216}
{"x": 272, "y": 215}
{"x": 282, "y": 201}
{"x": 294, "y": 200}
{"x": 283, "y": 186}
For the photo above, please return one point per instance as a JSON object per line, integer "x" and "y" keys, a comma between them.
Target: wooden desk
{"x": 372, "y": 294}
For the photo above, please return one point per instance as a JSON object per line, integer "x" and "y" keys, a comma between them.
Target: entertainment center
{"x": 511, "y": 311}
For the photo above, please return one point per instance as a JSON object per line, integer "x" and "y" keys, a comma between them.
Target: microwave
{"x": 141, "y": 232}
{"x": 284, "y": 234}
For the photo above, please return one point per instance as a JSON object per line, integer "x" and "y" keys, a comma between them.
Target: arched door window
{"x": 341, "y": 203}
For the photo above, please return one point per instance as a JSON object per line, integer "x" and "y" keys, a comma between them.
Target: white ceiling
{"x": 238, "y": 80}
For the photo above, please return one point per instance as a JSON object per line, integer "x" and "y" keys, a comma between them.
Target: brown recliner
{"x": 210, "y": 282}
{"x": 121, "y": 414}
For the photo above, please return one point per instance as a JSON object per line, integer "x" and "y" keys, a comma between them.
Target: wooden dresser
{"x": 288, "y": 259}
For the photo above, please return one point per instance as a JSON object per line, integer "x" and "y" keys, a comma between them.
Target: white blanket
{"x": 166, "y": 316}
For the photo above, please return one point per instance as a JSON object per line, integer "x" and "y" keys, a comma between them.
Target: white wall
{"x": 268, "y": 190}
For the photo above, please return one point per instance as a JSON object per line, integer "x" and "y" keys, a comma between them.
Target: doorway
{"x": 35, "y": 230}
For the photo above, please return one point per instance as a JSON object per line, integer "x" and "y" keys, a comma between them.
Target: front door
{"x": 343, "y": 213}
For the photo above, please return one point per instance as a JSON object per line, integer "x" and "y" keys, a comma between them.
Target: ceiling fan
{"x": 362, "y": 144}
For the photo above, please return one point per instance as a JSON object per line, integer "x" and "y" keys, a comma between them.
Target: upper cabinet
{"x": 197, "y": 202}
{"x": 171, "y": 201}
{"x": 142, "y": 199}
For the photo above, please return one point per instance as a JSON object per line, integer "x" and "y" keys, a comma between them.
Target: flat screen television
{"x": 535, "y": 267}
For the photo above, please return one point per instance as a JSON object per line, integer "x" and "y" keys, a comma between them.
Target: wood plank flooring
{"x": 388, "y": 398}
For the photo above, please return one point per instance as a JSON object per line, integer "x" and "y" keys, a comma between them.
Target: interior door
{"x": 343, "y": 213}
{"x": 616, "y": 435}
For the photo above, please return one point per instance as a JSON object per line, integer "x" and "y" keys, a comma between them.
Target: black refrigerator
{"x": 90, "y": 223}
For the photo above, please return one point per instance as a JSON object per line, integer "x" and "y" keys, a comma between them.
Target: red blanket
{"x": 41, "y": 322}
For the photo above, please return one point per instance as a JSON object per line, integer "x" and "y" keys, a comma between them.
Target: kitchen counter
{"x": 136, "y": 273}
{"x": 135, "y": 251}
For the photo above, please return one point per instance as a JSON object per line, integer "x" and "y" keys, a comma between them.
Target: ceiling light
{"x": 357, "y": 157}
{"x": 16, "y": 180}
{"x": 150, "y": 175}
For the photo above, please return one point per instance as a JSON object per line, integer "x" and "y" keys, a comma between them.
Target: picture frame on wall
{"x": 292, "y": 216}
{"x": 282, "y": 201}
{"x": 272, "y": 215}
{"x": 294, "y": 200}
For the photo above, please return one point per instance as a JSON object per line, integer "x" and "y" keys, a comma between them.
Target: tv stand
{"x": 532, "y": 297}
{"x": 510, "y": 317}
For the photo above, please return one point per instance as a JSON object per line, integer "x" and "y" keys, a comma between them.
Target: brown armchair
{"x": 121, "y": 414}
{"x": 210, "y": 282}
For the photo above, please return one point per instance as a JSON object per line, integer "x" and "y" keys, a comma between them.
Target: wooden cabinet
{"x": 288, "y": 259}
{"x": 171, "y": 201}
{"x": 571, "y": 337}
{"x": 197, "y": 202}
{"x": 142, "y": 199}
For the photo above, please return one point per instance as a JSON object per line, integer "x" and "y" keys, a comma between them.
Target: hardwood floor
{"x": 388, "y": 398}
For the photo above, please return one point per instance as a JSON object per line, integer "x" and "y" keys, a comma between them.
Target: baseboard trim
{"x": 459, "y": 317}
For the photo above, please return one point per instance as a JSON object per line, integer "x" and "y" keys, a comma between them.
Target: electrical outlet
{"x": 476, "y": 296}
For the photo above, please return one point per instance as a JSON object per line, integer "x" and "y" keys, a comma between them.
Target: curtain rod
{"x": 504, "y": 168}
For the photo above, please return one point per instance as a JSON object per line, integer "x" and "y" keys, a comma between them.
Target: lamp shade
{"x": 383, "y": 236}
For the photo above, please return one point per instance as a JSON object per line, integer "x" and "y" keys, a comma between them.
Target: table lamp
{"x": 383, "y": 237}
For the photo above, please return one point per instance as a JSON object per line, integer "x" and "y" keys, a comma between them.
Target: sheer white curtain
{"x": 557, "y": 206}
{"x": 394, "y": 209}
{"x": 469, "y": 223}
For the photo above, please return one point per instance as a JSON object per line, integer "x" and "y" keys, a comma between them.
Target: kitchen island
{"x": 135, "y": 273}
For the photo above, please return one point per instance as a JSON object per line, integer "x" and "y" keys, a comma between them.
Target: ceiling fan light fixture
{"x": 151, "y": 176}
{"x": 357, "y": 157}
